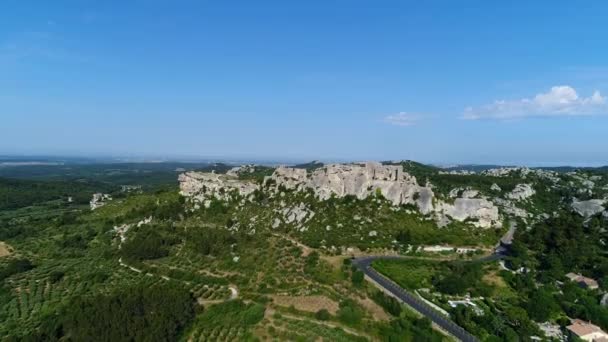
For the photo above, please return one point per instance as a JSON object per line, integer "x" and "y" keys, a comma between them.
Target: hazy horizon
{"x": 316, "y": 80}
{"x": 101, "y": 158}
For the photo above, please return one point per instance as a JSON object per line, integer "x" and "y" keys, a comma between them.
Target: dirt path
{"x": 305, "y": 249}
{"x": 129, "y": 267}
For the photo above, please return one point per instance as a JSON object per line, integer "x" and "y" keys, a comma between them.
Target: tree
{"x": 349, "y": 313}
{"x": 136, "y": 313}
{"x": 322, "y": 315}
{"x": 541, "y": 305}
{"x": 15, "y": 266}
{"x": 357, "y": 277}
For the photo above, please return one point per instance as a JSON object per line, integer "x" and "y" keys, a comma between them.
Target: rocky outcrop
{"x": 297, "y": 214}
{"x": 482, "y": 212}
{"x": 99, "y": 200}
{"x": 239, "y": 170}
{"x": 588, "y": 208}
{"x": 509, "y": 208}
{"x": 521, "y": 192}
{"x": 463, "y": 192}
{"x": 200, "y": 186}
{"x": 523, "y": 171}
{"x": 359, "y": 180}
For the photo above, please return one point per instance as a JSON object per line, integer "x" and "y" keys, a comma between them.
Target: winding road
{"x": 365, "y": 265}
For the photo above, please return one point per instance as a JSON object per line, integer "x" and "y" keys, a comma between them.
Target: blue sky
{"x": 445, "y": 81}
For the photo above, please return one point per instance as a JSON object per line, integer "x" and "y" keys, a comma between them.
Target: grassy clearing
{"x": 409, "y": 274}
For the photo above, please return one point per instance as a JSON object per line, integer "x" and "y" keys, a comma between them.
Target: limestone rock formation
{"x": 509, "y": 208}
{"x": 359, "y": 180}
{"x": 200, "y": 186}
{"x": 238, "y": 170}
{"x": 297, "y": 214}
{"x": 99, "y": 200}
{"x": 463, "y": 192}
{"x": 482, "y": 211}
{"x": 588, "y": 208}
{"x": 521, "y": 192}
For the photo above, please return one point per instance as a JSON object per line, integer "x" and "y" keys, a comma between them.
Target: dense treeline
{"x": 412, "y": 329}
{"x": 559, "y": 245}
{"x": 16, "y": 193}
{"x": 209, "y": 241}
{"x": 389, "y": 303}
{"x": 135, "y": 313}
{"x": 564, "y": 244}
{"x": 148, "y": 242}
{"x": 15, "y": 266}
{"x": 170, "y": 208}
{"x": 458, "y": 278}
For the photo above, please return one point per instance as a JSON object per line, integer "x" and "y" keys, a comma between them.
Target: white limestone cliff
{"x": 483, "y": 213}
{"x": 359, "y": 180}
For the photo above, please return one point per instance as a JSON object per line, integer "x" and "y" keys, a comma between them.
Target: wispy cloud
{"x": 402, "y": 119}
{"x": 558, "y": 101}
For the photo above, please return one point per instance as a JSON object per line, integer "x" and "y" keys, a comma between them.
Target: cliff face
{"x": 359, "y": 180}
{"x": 479, "y": 209}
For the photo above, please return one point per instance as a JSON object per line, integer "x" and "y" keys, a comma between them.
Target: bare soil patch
{"x": 307, "y": 303}
{"x": 5, "y": 249}
{"x": 335, "y": 261}
{"x": 376, "y": 310}
{"x": 492, "y": 278}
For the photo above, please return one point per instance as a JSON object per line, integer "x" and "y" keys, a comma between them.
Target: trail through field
{"x": 129, "y": 267}
{"x": 305, "y": 249}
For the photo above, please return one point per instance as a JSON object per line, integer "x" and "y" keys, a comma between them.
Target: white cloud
{"x": 559, "y": 101}
{"x": 402, "y": 119}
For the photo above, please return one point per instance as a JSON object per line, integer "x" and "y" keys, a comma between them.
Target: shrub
{"x": 15, "y": 266}
{"x": 56, "y": 276}
{"x": 322, "y": 315}
{"x": 349, "y": 312}
{"x": 358, "y": 277}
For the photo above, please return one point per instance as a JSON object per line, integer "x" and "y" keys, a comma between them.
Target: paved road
{"x": 364, "y": 264}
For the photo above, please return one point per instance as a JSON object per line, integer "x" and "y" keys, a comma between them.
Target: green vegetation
{"x": 454, "y": 278}
{"x": 227, "y": 321}
{"x": 513, "y": 301}
{"x": 389, "y": 303}
{"x": 15, "y": 266}
{"x": 16, "y": 193}
{"x": 351, "y": 221}
{"x": 258, "y": 174}
{"x": 137, "y": 313}
{"x": 149, "y": 265}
